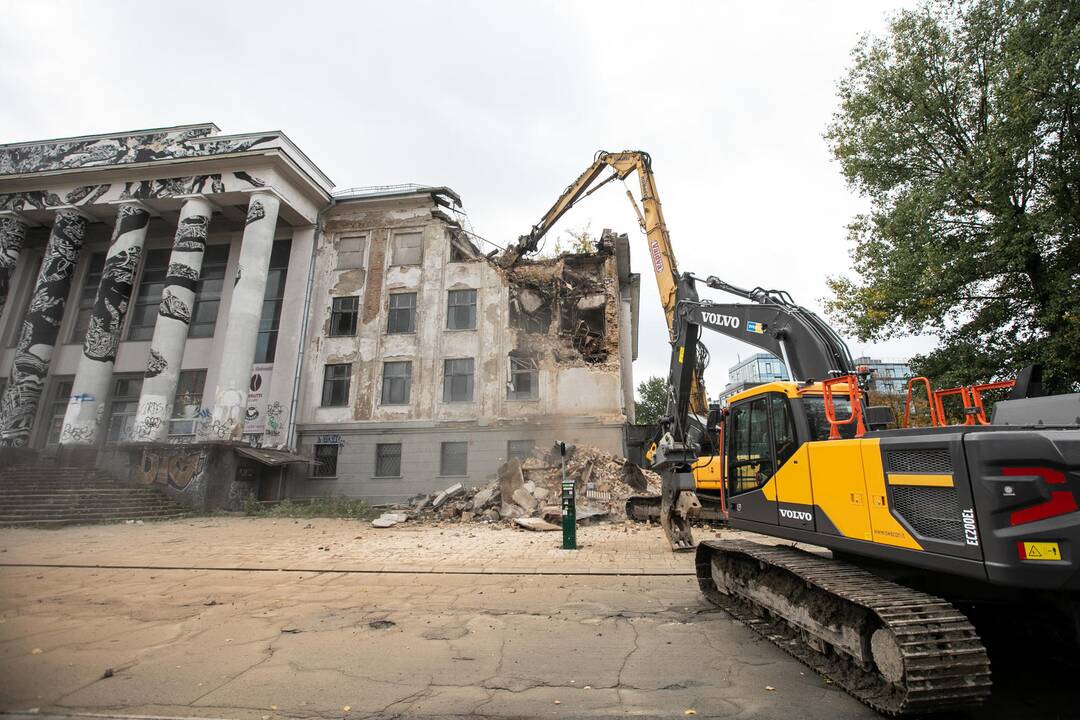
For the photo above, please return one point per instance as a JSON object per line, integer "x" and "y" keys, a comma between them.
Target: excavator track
{"x": 898, "y": 650}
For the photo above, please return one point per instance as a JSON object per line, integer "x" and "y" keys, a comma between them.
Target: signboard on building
{"x": 258, "y": 392}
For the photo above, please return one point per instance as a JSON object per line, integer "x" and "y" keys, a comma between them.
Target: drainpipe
{"x": 291, "y": 432}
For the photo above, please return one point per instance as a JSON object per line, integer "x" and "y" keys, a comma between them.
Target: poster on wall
{"x": 258, "y": 391}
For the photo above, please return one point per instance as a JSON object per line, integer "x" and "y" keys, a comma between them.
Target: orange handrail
{"x": 934, "y": 421}
{"x": 965, "y": 396}
{"x": 856, "y": 406}
{"x": 976, "y": 397}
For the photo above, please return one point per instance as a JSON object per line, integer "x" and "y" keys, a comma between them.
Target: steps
{"x": 54, "y": 496}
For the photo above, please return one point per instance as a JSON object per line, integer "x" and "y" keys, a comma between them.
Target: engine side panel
{"x": 839, "y": 488}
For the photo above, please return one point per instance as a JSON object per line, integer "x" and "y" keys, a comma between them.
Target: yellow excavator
{"x": 608, "y": 167}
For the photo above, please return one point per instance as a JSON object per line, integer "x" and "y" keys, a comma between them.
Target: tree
{"x": 962, "y": 128}
{"x": 653, "y": 402}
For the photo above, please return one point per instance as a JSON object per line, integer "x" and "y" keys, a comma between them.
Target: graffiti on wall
{"x": 12, "y": 238}
{"x": 181, "y": 468}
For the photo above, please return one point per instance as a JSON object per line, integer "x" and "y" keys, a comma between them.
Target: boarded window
{"x": 520, "y": 449}
{"x": 461, "y": 310}
{"x": 326, "y": 457}
{"x": 335, "y": 389}
{"x": 524, "y": 377}
{"x": 458, "y": 380}
{"x": 208, "y": 291}
{"x": 454, "y": 459}
{"x": 407, "y": 248}
{"x": 396, "y": 383}
{"x": 402, "y": 315}
{"x": 388, "y": 460}
{"x": 87, "y": 297}
{"x": 351, "y": 250}
{"x": 343, "y": 316}
{"x": 187, "y": 403}
{"x": 122, "y": 407}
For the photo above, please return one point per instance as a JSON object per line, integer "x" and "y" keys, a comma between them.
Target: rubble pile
{"x": 529, "y": 493}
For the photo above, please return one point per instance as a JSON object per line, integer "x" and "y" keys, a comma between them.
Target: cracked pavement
{"x": 239, "y": 643}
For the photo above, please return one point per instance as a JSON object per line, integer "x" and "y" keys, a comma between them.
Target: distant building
{"x": 889, "y": 377}
{"x": 754, "y": 370}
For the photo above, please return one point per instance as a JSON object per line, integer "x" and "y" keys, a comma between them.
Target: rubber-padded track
{"x": 945, "y": 663}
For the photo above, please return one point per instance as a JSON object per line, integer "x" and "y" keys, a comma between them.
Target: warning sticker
{"x": 1040, "y": 551}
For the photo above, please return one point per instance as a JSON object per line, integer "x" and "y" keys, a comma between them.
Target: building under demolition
{"x": 206, "y": 313}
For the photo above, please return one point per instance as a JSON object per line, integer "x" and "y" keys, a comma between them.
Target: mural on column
{"x": 12, "y": 237}
{"x": 171, "y": 329}
{"x": 135, "y": 190}
{"x": 37, "y": 336}
{"x": 83, "y": 418}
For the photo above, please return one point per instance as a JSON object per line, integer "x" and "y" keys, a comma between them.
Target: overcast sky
{"x": 504, "y": 102}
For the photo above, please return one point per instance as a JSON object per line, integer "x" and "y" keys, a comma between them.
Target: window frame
{"x": 176, "y": 419}
{"x": 361, "y": 253}
{"x": 85, "y": 302}
{"x": 380, "y": 458}
{"x": 266, "y": 351}
{"x": 534, "y": 372}
{"x": 470, "y": 309}
{"x": 510, "y": 452}
{"x": 112, "y": 414}
{"x": 394, "y": 248}
{"x": 390, "y": 310}
{"x": 317, "y": 464}
{"x": 448, "y": 382}
{"x": 327, "y": 387}
{"x": 54, "y": 405}
{"x": 137, "y": 301}
{"x": 210, "y": 263}
{"x": 443, "y": 470}
{"x": 405, "y": 379}
{"x": 337, "y": 312}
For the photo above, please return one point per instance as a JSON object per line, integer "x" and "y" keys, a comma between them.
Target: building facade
{"x": 888, "y": 377}
{"x": 203, "y": 311}
{"x": 757, "y": 369}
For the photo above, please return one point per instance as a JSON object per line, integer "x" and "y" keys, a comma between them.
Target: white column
{"x": 12, "y": 237}
{"x": 91, "y": 386}
{"x": 171, "y": 328}
{"x": 37, "y": 337}
{"x": 242, "y": 325}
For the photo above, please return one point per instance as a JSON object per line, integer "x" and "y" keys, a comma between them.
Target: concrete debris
{"x": 530, "y": 490}
{"x": 389, "y": 520}
{"x": 536, "y": 524}
{"x": 451, "y": 492}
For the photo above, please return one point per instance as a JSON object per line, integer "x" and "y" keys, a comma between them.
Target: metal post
{"x": 569, "y": 506}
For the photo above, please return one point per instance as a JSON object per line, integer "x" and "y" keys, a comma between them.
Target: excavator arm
{"x": 650, "y": 216}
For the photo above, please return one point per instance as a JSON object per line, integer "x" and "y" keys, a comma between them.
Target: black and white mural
{"x": 37, "y": 337}
{"x": 12, "y": 237}
{"x": 134, "y": 190}
{"x": 171, "y": 329}
{"x": 125, "y": 149}
{"x": 83, "y": 418}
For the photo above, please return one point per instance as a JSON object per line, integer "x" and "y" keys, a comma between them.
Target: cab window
{"x": 750, "y": 461}
{"x": 814, "y": 406}
{"x": 783, "y": 429}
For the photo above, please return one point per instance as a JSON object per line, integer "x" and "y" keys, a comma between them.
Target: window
{"x": 388, "y": 460}
{"x": 783, "y": 432}
{"x": 350, "y": 254}
{"x": 273, "y": 299}
{"x": 458, "y": 380}
{"x": 520, "y": 449}
{"x": 325, "y": 461}
{"x": 396, "y": 383}
{"x": 187, "y": 403}
{"x": 814, "y": 407}
{"x": 524, "y": 378}
{"x": 750, "y": 460}
{"x": 402, "y": 316}
{"x": 87, "y": 297}
{"x": 122, "y": 407}
{"x": 144, "y": 310}
{"x": 208, "y": 291}
{"x": 461, "y": 310}
{"x": 61, "y": 396}
{"x": 20, "y": 300}
{"x": 454, "y": 459}
{"x": 335, "y": 389}
{"x": 343, "y": 315}
{"x": 407, "y": 249}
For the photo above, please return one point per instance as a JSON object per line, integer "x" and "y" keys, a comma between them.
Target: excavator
{"x": 705, "y": 503}
{"x": 909, "y": 522}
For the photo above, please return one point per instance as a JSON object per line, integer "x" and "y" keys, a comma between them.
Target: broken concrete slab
{"x": 536, "y": 524}
{"x": 530, "y": 301}
{"x": 450, "y": 492}
{"x": 592, "y": 302}
{"x": 510, "y": 478}
{"x": 523, "y": 498}
{"x": 484, "y": 497}
{"x": 389, "y": 520}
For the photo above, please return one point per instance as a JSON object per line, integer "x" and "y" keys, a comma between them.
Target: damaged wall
{"x": 563, "y": 316}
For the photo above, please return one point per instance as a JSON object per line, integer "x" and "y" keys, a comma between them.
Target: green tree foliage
{"x": 962, "y": 128}
{"x": 653, "y": 402}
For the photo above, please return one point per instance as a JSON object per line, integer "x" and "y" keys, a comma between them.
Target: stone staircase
{"x": 53, "y": 496}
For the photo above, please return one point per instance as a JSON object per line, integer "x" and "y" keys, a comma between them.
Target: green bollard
{"x": 569, "y": 506}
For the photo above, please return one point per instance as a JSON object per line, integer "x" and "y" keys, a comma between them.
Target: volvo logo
{"x": 657, "y": 258}
{"x": 796, "y": 515}
{"x": 721, "y": 320}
